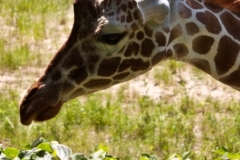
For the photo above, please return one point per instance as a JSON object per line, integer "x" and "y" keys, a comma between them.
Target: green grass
{"x": 160, "y": 128}
{"x": 129, "y": 125}
{"x": 29, "y": 16}
{"x": 15, "y": 58}
{"x": 23, "y": 26}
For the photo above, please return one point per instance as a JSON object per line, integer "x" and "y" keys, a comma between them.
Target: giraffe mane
{"x": 233, "y": 5}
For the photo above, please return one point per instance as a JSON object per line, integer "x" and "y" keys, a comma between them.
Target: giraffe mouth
{"x": 40, "y": 104}
{"x": 28, "y": 113}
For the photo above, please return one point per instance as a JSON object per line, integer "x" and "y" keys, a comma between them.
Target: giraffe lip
{"x": 48, "y": 113}
{"x": 29, "y": 114}
{"x": 25, "y": 121}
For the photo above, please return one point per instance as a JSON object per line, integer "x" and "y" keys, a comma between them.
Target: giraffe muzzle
{"x": 29, "y": 114}
{"x": 39, "y": 104}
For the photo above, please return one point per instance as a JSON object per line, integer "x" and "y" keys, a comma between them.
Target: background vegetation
{"x": 172, "y": 109}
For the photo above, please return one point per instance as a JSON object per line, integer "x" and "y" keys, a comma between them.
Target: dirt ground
{"x": 22, "y": 78}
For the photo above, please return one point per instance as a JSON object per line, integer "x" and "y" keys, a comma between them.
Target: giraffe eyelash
{"x": 112, "y": 38}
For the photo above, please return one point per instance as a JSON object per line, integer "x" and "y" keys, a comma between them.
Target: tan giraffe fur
{"x": 113, "y": 41}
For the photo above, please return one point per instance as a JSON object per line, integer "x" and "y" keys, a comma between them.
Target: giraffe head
{"x": 103, "y": 49}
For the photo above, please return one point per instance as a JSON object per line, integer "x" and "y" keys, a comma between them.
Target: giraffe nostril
{"x": 30, "y": 94}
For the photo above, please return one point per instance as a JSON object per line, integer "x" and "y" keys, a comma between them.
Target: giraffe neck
{"x": 204, "y": 35}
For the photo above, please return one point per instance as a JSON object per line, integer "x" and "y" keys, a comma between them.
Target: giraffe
{"x": 113, "y": 41}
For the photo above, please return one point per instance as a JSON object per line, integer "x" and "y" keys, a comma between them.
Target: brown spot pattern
{"x": 118, "y": 2}
{"x": 108, "y": 66}
{"x": 134, "y": 64}
{"x": 169, "y": 53}
{"x": 92, "y": 60}
{"x": 78, "y": 74}
{"x": 73, "y": 59}
{"x": 232, "y": 79}
{"x": 192, "y": 28}
{"x": 132, "y": 49}
{"x": 194, "y": 4}
{"x": 121, "y": 76}
{"x": 166, "y": 29}
{"x": 201, "y": 64}
{"x": 237, "y": 14}
{"x": 130, "y": 5}
{"x": 132, "y": 35}
{"x": 147, "y": 47}
{"x": 231, "y": 24}
{"x": 232, "y": 5}
{"x": 123, "y": 19}
{"x": 124, "y": 8}
{"x": 97, "y": 83}
{"x": 212, "y": 7}
{"x": 119, "y": 10}
{"x": 160, "y": 39}
{"x": 139, "y": 64}
{"x": 56, "y": 75}
{"x": 136, "y": 14}
{"x": 180, "y": 49}
{"x": 175, "y": 33}
{"x": 121, "y": 50}
{"x": 129, "y": 17}
{"x": 158, "y": 57}
{"x": 84, "y": 19}
{"x": 148, "y": 31}
{"x": 140, "y": 35}
{"x": 77, "y": 93}
{"x": 202, "y": 44}
{"x": 227, "y": 53}
{"x": 87, "y": 46}
{"x": 124, "y": 65}
{"x": 210, "y": 21}
{"x": 67, "y": 87}
{"x": 134, "y": 26}
{"x": 183, "y": 11}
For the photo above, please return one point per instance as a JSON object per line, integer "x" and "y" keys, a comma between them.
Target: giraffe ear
{"x": 154, "y": 10}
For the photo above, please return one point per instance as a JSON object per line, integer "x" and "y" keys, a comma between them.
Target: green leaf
{"x": 103, "y": 147}
{"x": 61, "y": 151}
{"x": 186, "y": 155}
{"x": 233, "y": 155}
{"x": 143, "y": 158}
{"x": 225, "y": 154}
{"x": 28, "y": 154}
{"x": 45, "y": 146}
{"x": 11, "y": 152}
{"x": 37, "y": 142}
{"x": 28, "y": 146}
{"x": 221, "y": 151}
{"x": 41, "y": 153}
{"x": 146, "y": 156}
{"x": 100, "y": 154}
{"x": 110, "y": 157}
{"x": 21, "y": 155}
{"x": 78, "y": 156}
{"x": 175, "y": 157}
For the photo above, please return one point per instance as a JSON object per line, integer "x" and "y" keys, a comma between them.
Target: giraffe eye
{"x": 111, "y": 39}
